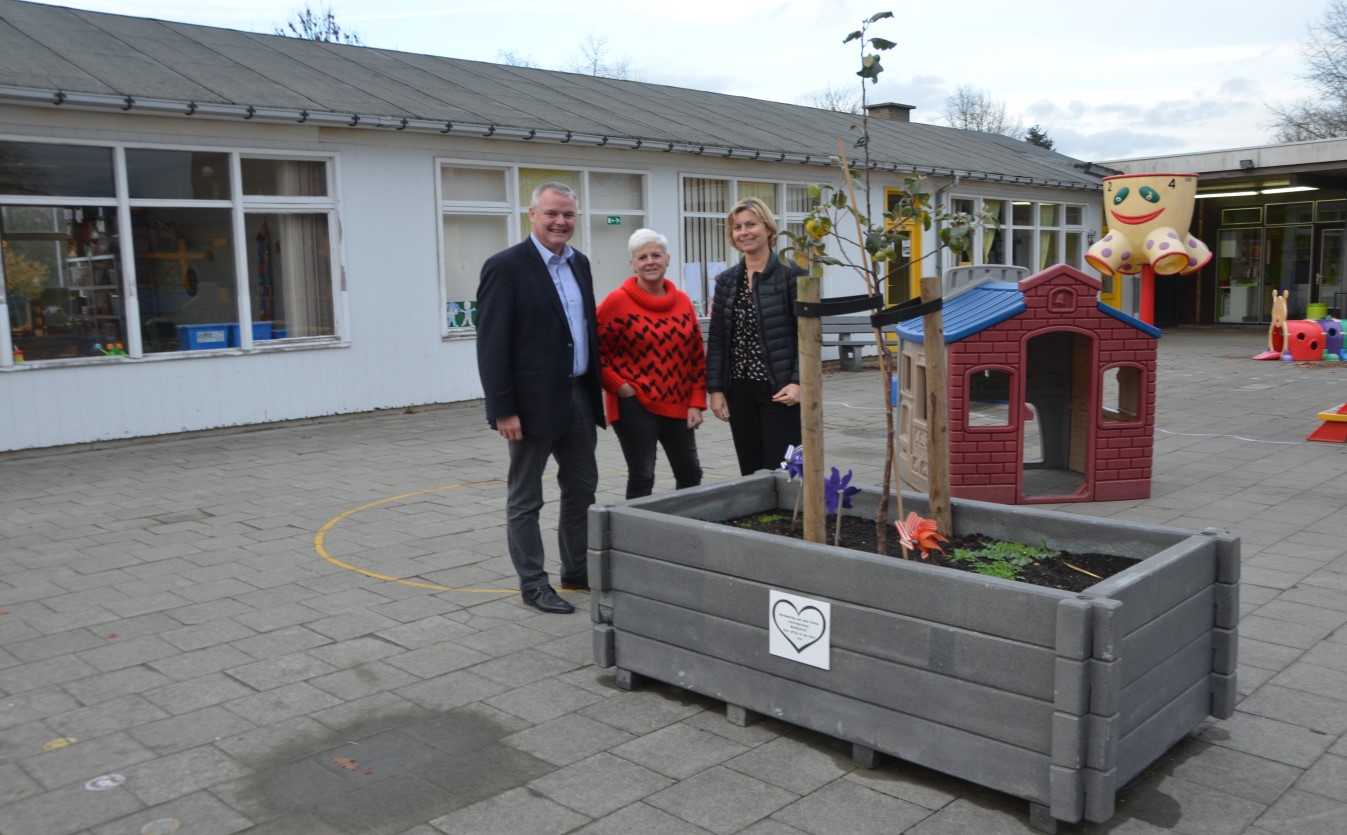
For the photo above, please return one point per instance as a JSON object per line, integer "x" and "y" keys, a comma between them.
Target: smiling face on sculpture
{"x": 1142, "y": 202}
{"x": 1148, "y": 218}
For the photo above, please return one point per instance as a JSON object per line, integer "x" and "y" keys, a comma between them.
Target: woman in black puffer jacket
{"x": 752, "y": 354}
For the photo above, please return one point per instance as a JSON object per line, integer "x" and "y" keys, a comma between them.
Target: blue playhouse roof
{"x": 990, "y": 303}
{"x": 971, "y": 311}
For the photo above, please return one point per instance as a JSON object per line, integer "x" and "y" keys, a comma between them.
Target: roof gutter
{"x": 279, "y": 115}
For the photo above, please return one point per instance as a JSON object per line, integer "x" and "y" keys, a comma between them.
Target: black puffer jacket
{"x": 774, "y": 295}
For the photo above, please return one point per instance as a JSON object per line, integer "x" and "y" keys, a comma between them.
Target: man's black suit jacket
{"x": 524, "y": 348}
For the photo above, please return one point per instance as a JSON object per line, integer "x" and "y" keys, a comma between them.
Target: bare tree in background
{"x": 320, "y": 25}
{"x": 835, "y": 98}
{"x": 1323, "y": 115}
{"x": 972, "y": 109}
{"x": 595, "y": 60}
{"x": 510, "y": 58}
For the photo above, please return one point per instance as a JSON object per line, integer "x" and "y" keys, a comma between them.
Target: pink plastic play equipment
{"x": 1305, "y": 340}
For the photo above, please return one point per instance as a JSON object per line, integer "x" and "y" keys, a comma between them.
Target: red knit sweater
{"x": 654, "y": 343}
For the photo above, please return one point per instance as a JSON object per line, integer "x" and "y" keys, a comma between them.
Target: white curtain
{"x": 302, "y": 257}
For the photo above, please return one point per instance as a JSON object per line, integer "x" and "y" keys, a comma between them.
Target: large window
{"x": 706, "y": 249}
{"x": 175, "y": 255}
{"x": 1028, "y": 233}
{"x": 484, "y": 209}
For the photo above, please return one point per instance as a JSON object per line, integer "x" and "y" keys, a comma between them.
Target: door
{"x": 1287, "y": 268}
{"x": 1239, "y": 274}
{"x": 1328, "y": 272}
{"x": 903, "y": 279}
{"x": 1055, "y": 416}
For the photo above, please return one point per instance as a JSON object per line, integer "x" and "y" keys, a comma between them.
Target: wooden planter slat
{"x": 1154, "y": 642}
{"x": 984, "y": 602}
{"x": 1009, "y": 769}
{"x": 1056, "y": 697}
{"x": 996, "y": 714}
{"x": 969, "y": 656}
{"x": 1164, "y": 683}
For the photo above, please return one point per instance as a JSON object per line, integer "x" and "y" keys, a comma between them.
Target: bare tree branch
{"x": 510, "y": 58}
{"x": 1324, "y": 114}
{"x": 835, "y": 98}
{"x": 320, "y": 25}
{"x": 595, "y": 60}
{"x": 969, "y": 108}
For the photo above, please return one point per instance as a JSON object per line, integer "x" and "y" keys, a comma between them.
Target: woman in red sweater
{"x": 654, "y": 368}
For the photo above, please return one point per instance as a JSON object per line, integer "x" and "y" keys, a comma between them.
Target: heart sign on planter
{"x": 798, "y": 628}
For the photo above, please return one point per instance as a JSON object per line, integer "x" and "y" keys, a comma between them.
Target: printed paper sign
{"x": 799, "y": 629}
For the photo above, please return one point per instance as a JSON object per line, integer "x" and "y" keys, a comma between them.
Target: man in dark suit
{"x": 538, "y": 357}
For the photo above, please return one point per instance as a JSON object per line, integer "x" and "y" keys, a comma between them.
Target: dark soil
{"x": 859, "y": 534}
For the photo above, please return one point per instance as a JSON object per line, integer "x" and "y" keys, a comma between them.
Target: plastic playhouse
{"x": 1051, "y": 393}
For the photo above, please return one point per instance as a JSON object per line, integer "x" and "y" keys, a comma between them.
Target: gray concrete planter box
{"x": 1055, "y": 697}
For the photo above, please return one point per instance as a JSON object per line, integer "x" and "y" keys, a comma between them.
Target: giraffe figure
{"x": 1278, "y": 321}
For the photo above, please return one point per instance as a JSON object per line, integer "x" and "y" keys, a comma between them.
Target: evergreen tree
{"x": 1037, "y": 136}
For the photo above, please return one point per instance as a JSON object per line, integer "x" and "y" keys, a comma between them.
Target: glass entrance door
{"x": 1288, "y": 268}
{"x": 1239, "y": 275}
{"x": 1329, "y": 271}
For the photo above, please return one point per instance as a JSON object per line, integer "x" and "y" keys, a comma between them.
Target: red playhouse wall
{"x": 985, "y": 461}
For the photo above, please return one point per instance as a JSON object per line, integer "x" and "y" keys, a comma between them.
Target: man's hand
{"x": 510, "y": 428}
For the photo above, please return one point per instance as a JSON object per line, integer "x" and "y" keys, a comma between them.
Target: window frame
{"x": 1060, "y": 229}
{"x": 784, "y": 218}
{"x": 1138, "y": 388}
{"x": 515, "y": 210}
{"x": 238, "y": 206}
{"x": 1011, "y": 374}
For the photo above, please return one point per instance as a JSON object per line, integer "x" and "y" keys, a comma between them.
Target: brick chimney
{"x": 890, "y": 110}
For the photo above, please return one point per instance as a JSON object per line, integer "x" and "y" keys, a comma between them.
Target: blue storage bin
{"x": 261, "y": 330}
{"x": 204, "y": 337}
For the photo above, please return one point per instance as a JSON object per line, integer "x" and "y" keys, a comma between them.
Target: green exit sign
{"x": 614, "y": 220}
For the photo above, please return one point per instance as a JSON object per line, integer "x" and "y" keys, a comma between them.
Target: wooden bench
{"x": 849, "y": 335}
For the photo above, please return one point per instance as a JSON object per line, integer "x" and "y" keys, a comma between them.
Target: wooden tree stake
{"x": 809, "y": 329}
{"x": 937, "y": 409}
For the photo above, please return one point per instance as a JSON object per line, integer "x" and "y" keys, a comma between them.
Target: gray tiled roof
{"x": 48, "y": 49}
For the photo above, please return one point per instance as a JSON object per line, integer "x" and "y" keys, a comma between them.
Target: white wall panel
{"x": 395, "y": 355}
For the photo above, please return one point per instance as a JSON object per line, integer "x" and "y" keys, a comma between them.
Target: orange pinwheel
{"x": 920, "y": 534}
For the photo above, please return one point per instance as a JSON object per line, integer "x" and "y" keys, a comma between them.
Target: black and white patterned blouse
{"x": 746, "y": 361}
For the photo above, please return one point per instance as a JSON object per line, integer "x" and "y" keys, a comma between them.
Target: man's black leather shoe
{"x": 575, "y": 585}
{"x": 545, "y": 599}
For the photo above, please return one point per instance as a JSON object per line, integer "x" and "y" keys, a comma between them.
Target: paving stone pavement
{"x": 311, "y": 628}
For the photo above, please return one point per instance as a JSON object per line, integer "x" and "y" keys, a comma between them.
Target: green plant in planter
{"x": 1002, "y": 559}
{"x": 840, "y": 232}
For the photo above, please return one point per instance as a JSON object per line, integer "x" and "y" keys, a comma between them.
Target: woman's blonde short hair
{"x": 758, "y": 208}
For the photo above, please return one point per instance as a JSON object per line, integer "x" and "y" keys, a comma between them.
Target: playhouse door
{"x": 1055, "y": 417}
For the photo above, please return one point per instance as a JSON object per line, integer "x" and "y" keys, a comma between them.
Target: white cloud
{"x": 1154, "y": 77}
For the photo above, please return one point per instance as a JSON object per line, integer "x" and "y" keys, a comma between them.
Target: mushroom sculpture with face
{"x": 1149, "y": 216}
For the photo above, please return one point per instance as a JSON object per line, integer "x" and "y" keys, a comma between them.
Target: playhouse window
{"x": 988, "y": 398}
{"x": 1120, "y": 395}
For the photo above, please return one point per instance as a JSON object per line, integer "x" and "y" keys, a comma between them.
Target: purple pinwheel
{"x": 837, "y": 487}
{"x": 794, "y": 463}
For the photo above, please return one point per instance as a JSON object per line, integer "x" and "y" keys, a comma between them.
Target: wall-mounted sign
{"x": 800, "y": 629}
{"x": 614, "y": 220}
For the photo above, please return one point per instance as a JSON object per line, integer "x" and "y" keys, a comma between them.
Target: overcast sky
{"x": 1106, "y": 81}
